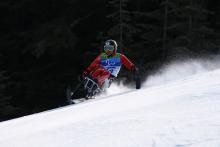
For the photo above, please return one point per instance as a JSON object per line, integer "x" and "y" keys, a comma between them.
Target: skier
{"x": 108, "y": 64}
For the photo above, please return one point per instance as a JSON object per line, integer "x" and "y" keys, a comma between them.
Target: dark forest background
{"x": 46, "y": 44}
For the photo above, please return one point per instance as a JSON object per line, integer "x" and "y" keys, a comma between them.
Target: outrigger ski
{"x": 85, "y": 90}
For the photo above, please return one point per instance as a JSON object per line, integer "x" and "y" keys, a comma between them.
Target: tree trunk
{"x": 165, "y": 30}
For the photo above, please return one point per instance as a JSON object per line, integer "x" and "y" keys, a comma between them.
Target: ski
{"x": 77, "y": 101}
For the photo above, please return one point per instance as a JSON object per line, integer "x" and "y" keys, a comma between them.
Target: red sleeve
{"x": 94, "y": 64}
{"x": 126, "y": 62}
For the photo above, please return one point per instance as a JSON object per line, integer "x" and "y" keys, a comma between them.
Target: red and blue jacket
{"x": 111, "y": 63}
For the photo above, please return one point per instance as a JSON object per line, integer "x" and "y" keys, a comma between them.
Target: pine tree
{"x": 122, "y": 29}
{"x": 186, "y": 25}
{"x": 181, "y": 24}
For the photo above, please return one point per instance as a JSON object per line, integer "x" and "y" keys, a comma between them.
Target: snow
{"x": 175, "y": 108}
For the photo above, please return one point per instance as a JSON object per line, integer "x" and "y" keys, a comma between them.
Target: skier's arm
{"x": 94, "y": 64}
{"x": 127, "y": 63}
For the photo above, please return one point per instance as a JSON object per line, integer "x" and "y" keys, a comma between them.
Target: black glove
{"x": 85, "y": 73}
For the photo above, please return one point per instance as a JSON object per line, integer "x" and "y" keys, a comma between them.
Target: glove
{"x": 85, "y": 73}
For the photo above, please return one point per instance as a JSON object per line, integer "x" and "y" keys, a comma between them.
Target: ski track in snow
{"x": 184, "y": 112}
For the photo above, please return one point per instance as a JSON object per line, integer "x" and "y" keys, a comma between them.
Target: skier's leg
{"x": 100, "y": 75}
{"x": 104, "y": 75}
{"x": 96, "y": 73}
{"x": 106, "y": 84}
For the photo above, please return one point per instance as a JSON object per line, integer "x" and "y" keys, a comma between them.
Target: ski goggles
{"x": 108, "y": 48}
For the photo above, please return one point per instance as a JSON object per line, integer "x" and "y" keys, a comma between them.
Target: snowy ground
{"x": 175, "y": 108}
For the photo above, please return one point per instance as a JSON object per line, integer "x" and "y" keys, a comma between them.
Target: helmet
{"x": 110, "y": 46}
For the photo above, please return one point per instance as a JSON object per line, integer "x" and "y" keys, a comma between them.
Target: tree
{"x": 123, "y": 28}
{"x": 184, "y": 25}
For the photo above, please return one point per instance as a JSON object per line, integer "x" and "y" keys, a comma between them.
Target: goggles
{"x": 108, "y": 48}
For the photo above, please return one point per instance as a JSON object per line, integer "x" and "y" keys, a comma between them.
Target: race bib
{"x": 113, "y": 65}
{"x": 114, "y": 70}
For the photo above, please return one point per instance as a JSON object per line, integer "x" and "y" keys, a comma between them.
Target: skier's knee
{"x": 106, "y": 83}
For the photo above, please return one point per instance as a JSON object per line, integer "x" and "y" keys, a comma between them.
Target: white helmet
{"x": 110, "y": 45}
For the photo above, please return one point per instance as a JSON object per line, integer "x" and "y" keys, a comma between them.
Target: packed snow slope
{"x": 181, "y": 112}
